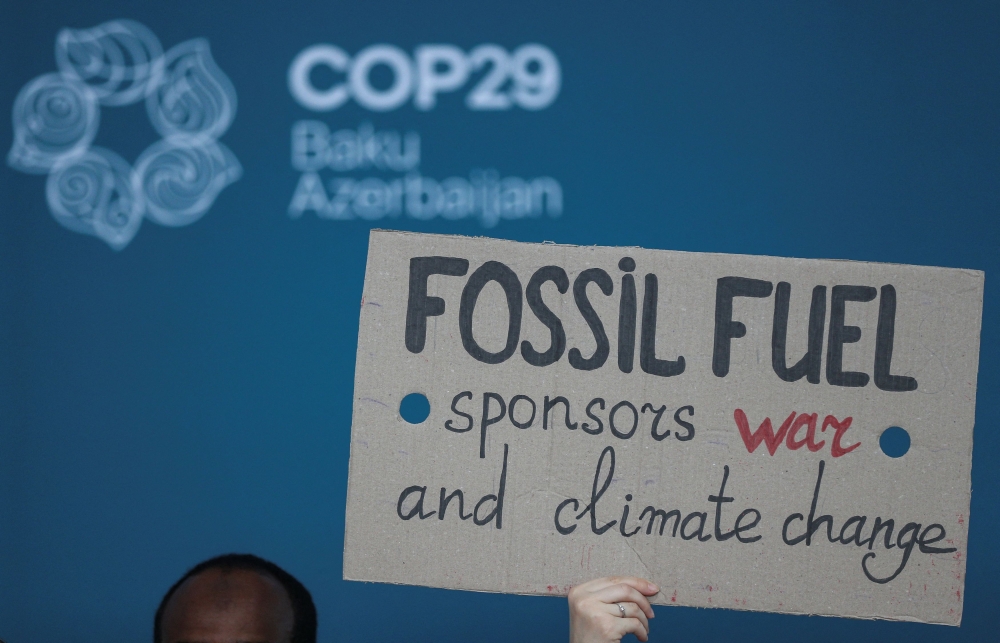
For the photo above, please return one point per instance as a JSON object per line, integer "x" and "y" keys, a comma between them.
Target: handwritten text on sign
{"x": 710, "y": 422}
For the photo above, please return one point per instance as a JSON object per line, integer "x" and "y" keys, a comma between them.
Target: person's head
{"x": 236, "y": 598}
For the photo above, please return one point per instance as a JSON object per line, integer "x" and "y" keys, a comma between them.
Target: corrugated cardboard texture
{"x": 543, "y": 538}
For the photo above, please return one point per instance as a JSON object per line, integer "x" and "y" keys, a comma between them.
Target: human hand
{"x": 594, "y": 615}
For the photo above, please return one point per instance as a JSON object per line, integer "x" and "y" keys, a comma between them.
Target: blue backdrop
{"x": 190, "y": 393}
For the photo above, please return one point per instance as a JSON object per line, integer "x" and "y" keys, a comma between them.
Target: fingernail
{"x": 653, "y": 588}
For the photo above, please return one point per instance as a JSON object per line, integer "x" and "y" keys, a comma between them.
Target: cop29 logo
{"x": 92, "y": 190}
{"x": 529, "y": 77}
{"x": 381, "y": 78}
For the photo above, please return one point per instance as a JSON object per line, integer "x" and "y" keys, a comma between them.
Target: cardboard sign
{"x": 710, "y": 422}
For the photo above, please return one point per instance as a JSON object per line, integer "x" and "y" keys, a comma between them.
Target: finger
{"x": 640, "y": 584}
{"x": 632, "y": 626}
{"x": 620, "y": 593}
{"x": 594, "y": 585}
{"x": 631, "y": 611}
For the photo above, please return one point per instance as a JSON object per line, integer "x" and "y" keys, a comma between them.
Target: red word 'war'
{"x": 790, "y": 430}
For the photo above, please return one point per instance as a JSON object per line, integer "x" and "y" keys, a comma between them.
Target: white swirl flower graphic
{"x": 94, "y": 194}
{"x": 55, "y": 117}
{"x": 119, "y": 60}
{"x": 91, "y": 190}
{"x": 180, "y": 180}
{"x": 195, "y": 99}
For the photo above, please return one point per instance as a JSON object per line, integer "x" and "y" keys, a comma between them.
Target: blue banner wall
{"x": 182, "y": 250}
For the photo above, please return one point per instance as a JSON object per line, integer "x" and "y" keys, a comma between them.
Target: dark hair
{"x": 304, "y": 629}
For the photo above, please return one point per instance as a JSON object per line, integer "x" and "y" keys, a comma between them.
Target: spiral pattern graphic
{"x": 180, "y": 182}
{"x": 120, "y": 60}
{"x": 54, "y": 117}
{"x": 195, "y": 99}
{"x": 93, "y": 194}
{"x": 92, "y": 190}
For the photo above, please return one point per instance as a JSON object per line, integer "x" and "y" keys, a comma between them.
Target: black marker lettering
{"x": 611, "y": 420}
{"x": 702, "y": 517}
{"x": 739, "y": 528}
{"x": 419, "y": 306}
{"x": 812, "y": 524}
{"x": 500, "y": 273}
{"x": 663, "y": 516}
{"x": 533, "y": 295}
{"x": 913, "y": 529}
{"x": 454, "y": 407}
{"x": 600, "y": 425}
{"x": 562, "y": 505}
{"x": 603, "y": 281}
{"x": 498, "y": 499}
{"x": 487, "y": 420}
{"x": 418, "y": 509}
{"x": 859, "y": 521}
{"x": 443, "y": 504}
{"x": 725, "y": 328}
{"x": 621, "y": 526}
{"x": 626, "y": 317}
{"x": 548, "y": 405}
{"x": 883, "y": 346}
{"x": 925, "y": 542}
{"x": 686, "y": 425}
{"x": 719, "y": 500}
{"x": 647, "y": 345}
{"x": 841, "y": 334}
{"x": 809, "y": 365}
{"x": 596, "y": 494}
{"x": 510, "y": 411}
{"x": 878, "y": 526}
{"x": 656, "y": 421}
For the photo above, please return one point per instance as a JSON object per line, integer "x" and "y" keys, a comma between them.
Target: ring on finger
{"x": 621, "y": 609}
